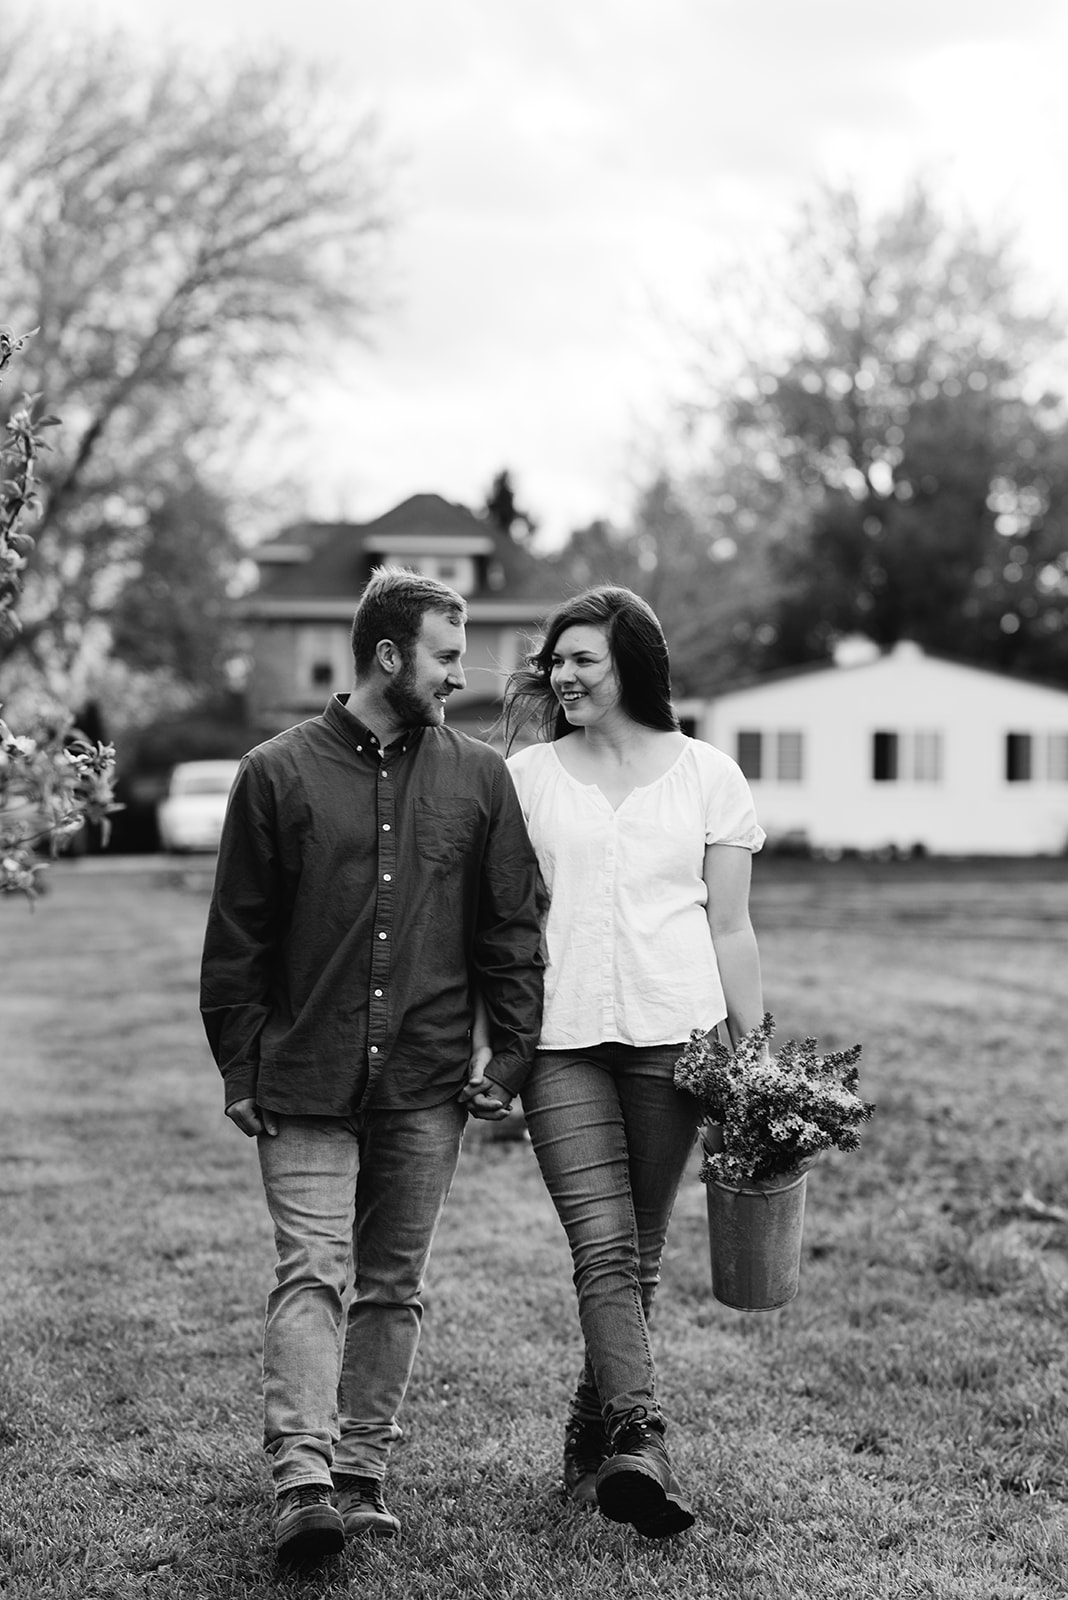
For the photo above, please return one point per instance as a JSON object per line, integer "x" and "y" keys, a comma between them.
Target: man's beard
{"x": 410, "y": 710}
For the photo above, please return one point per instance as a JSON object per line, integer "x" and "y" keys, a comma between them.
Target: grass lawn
{"x": 900, "y": 1430}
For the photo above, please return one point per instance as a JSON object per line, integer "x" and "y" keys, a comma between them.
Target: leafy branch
{"x": 19, "y": 499}
{"x": 51, "y": 780}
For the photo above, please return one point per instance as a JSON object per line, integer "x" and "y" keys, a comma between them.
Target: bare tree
{"x": 181, "y": 233}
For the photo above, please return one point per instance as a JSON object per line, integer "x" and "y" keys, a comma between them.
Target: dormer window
{"x": 452, "y": 558}
{"x": 459, "y": 572}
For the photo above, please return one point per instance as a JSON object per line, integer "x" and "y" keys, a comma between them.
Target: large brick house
{"x": 312, "y": 574}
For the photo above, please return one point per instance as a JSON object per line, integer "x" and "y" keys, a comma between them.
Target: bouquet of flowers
{"x": 776, "y": 1113}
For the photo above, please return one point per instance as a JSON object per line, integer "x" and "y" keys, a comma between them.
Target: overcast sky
{"x": 571, "y": 171}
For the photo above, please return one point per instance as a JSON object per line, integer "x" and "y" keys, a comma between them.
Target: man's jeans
{"x": 612, "y": 1136}
{"x": 357, "y": 1198}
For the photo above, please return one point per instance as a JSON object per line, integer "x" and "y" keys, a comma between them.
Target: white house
{"x": 900, "y": 750}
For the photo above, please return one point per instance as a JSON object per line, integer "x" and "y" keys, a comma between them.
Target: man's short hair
{"x": 393, "y": 606}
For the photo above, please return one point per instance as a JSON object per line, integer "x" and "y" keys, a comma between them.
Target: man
{"x": 374, "y": 875}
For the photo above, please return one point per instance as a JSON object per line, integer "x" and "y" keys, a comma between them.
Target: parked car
{"x": 191, "y": 813}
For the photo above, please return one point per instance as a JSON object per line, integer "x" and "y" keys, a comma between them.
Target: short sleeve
{"x": 730, "y": 815}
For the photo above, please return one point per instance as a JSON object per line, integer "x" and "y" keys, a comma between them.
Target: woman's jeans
{"x": 612, "y": 1136}
{"x": 355, "y": 1203}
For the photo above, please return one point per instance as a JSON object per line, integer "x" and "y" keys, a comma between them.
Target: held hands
{"x": 247, "y": 1115}
{"x": 483, "y": 1097}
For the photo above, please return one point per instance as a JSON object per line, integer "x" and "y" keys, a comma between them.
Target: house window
{"x": 788, "y": 767}
{"x": 912, "y": 757}
{"x": 460, "y": 572}
{"x": 927, "y": 757}
{"x": 750, "y": 753}
{"x": 1018, "y": 757}
{"x": 1057, "y": 758}
{"x": 884, "y": 757}
{"x": 322, "y": 674}
{"x": 771, "y": 756}
{"x": 1032, "y": 757}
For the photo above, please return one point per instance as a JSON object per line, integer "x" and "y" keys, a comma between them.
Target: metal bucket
{"x": 754, "y": 1237}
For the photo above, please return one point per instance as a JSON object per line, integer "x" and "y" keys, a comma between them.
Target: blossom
{"x": 18, "y": 873}
{"x": 51, "y": 782}
{"x": 775, "y": 1113}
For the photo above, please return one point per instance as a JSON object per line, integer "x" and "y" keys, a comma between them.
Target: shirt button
{"x": 381, "y": 936}
{"x": 374, "y": 1049}
{"x": 387, "y": 877}
{"x": 359, "y": 749}
{"x": 378, "y": 994}
{"x": 385, "y": 774}
{"x": 385, "y": 827}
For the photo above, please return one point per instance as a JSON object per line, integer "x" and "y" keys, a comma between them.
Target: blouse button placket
{"x": 608, "y": 954}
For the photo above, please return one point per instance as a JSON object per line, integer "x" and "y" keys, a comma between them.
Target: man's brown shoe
{"x": 307, "y": 1527}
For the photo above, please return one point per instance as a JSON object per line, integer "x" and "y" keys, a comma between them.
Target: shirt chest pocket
{"x": 446, "y": 830}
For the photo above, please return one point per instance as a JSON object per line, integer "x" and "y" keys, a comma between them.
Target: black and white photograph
{"x": 533, "y": 800}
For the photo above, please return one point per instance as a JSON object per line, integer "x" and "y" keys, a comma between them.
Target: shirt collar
{"x": 359, "y": 735}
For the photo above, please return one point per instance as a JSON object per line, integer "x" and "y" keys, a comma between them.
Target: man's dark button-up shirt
{"x": 361, "y": 896}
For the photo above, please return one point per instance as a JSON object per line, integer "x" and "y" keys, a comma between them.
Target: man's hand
{"x": 483, "y": 1097}
{"x": 251, "y": 1120}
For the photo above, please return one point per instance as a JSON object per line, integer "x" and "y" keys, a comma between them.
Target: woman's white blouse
{"x": 629, "y": 951}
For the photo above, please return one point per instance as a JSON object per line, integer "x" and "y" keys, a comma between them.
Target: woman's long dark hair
{"x": 639, "y": 655}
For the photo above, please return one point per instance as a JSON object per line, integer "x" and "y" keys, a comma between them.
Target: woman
{"x": 644, "y": 838}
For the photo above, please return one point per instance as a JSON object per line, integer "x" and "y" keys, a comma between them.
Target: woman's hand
{"x": 481, "y": 1056}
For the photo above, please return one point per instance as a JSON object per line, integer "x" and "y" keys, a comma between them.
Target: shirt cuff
{"x": 510, "y": 1072}
{"x": 239, "y": 1082}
